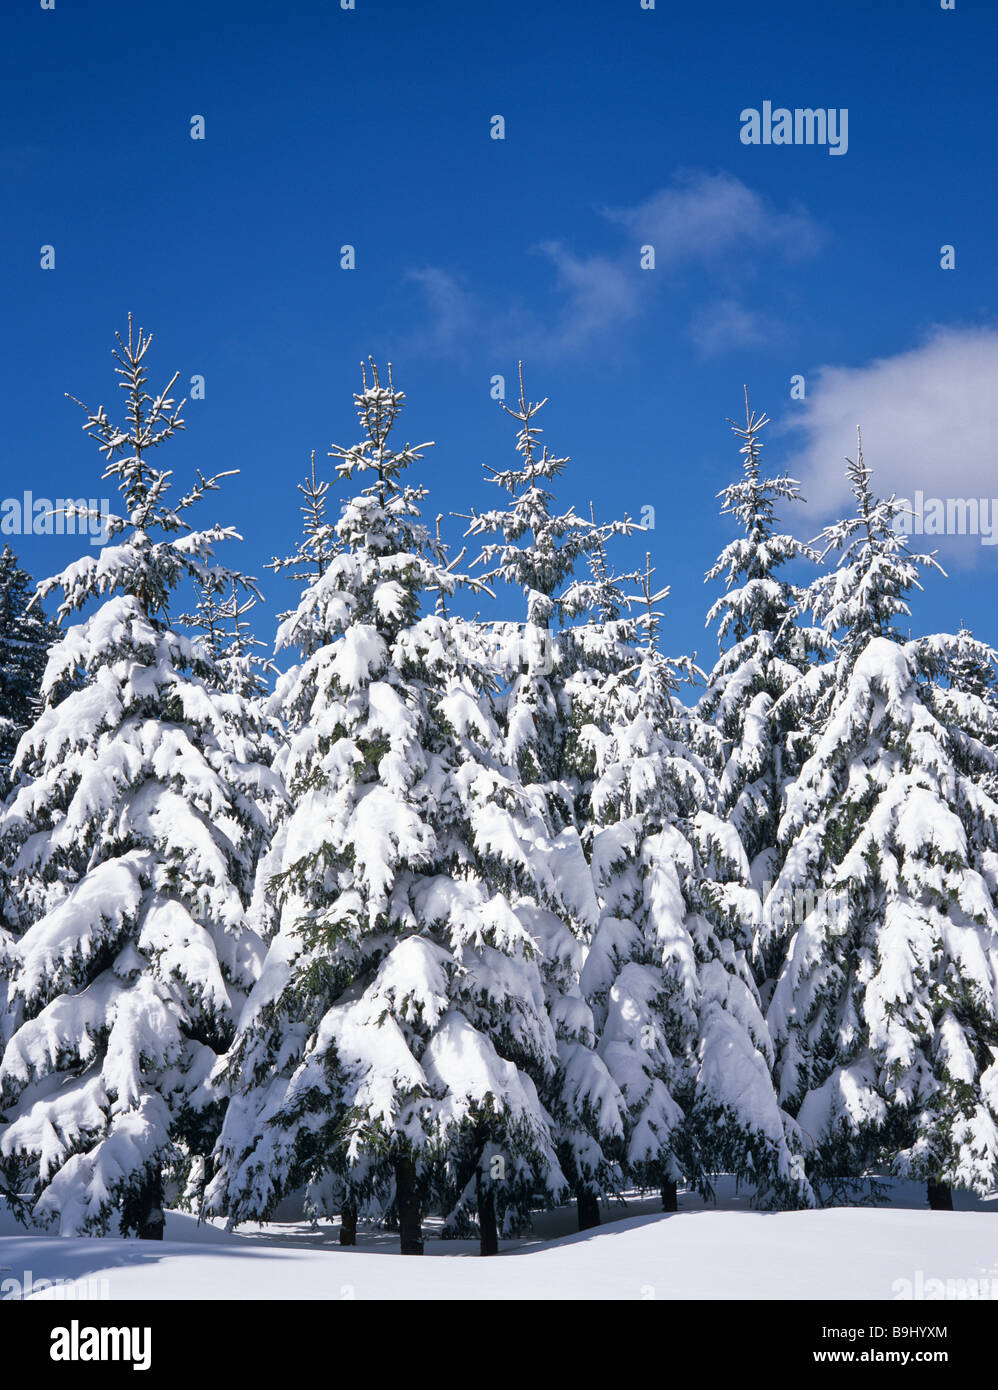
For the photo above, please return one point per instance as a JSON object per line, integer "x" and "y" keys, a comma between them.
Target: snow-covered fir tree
{"x": 597, "y": 645}
{"x": 479, "y": 917}
{"x": 536, "y": 550}
{"x": 223, "y": 622}
{"x": 885, "y": 1014}
{"x": 128, "y": 851}
{"x": 969, "y": 667}
{"x": 319, "y": 541}
{"x": 863, "y": 595}
{"x": 25, "y": 638}
{"x": 397, "y": 1048}
{"x": 680, "y": 1024}
{"x": 763, "y": 651}
{"x": 317, "y": 544}
{"x": 253, "y": 731}
{"x": 966, "y": 668}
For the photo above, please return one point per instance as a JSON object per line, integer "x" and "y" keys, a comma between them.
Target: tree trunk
{"x": 940, "y": 1196}
{"x": 407, "y": 1201}
{"x": 152, "y": 1221}
{"x": 670, "y": 1197}
{"x": 588, "y": 1205}
{"x": 488, "y": 1233}
{"x": 348, "y": 1224}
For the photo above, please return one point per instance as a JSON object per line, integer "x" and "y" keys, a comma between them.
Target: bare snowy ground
{"x": 721, "y": 1252}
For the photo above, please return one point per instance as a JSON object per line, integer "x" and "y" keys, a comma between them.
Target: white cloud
{"x": 706, "y": 216}
{"x": 929, "y": 418}
{"x": 712, "y": 220}
{"x": 594, "y": 294}
{"x": 450, "y": 309}
{"x": 726, "y": 324}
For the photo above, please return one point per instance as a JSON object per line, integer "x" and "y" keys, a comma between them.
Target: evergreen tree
{"x": 597, "y": 649}
{"x": 866, "y": 591}
{"x": 226, "y": 632}
{"x": 966, "y": 669}
{"x": 128, "y": 850}
{"x": 320, "y": 541}
{"x": 967, "y": 666}
{"x": 750, "y": 740}
{"x": 885, "y": 1014}
{"x": 254, "y": 735}
{"x": 537, "y": 550}
{"x": 679, "y": 1019}
{"x": 317, "y": 545}
{"x": 25, "y": 638}
{"x": 395, "y": 1048}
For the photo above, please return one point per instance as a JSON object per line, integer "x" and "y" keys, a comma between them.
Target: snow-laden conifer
{"x": 534, "y": 550}
{"x": 397, "y": 1044}
{"x": 129, "y": 854}
{"x": 317, "y": 544}
{"x": 678, "y": 1016}
{"x": 885, "y": 1015}
{"x": 531, "y": 547}
{"x": 25, "y": 638}
{"x": 223, "y": 622}
{"x": 763, "y": 651}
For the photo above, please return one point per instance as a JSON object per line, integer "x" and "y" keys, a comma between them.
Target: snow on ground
{"x": 700, "y": 1252}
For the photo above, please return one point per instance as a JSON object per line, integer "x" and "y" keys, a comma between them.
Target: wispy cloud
{"x": 705, "y": 217}
{"x": 592, "y": 296}
{"x": 929, "y": 418}
{"x": 711, "y": 222}
{"x": 450, "y": 310}
{"x": 726, "y": 324}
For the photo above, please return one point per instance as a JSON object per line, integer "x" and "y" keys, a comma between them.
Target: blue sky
{"x": 372, "y": 127}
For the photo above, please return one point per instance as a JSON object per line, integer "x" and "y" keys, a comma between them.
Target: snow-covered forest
{"x": 480, "y": 916}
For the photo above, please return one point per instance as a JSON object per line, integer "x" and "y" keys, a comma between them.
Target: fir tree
{"x": 866, "y": 591}
{"x": 750, "y": 740}
{"x": 319, "y": 538}
{"x": 317, "y": 545}
{"x": 25, "y": 638}
{"x": 537, "y": 550}
{"x": 129, "y": 854}
{"x": 885, "y": 1013}
{"x": 226, "y": 632}
{"x": 395, "y": 1047}
{"x": 253, "y": 733}
{"x": 680, "y": 1025}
